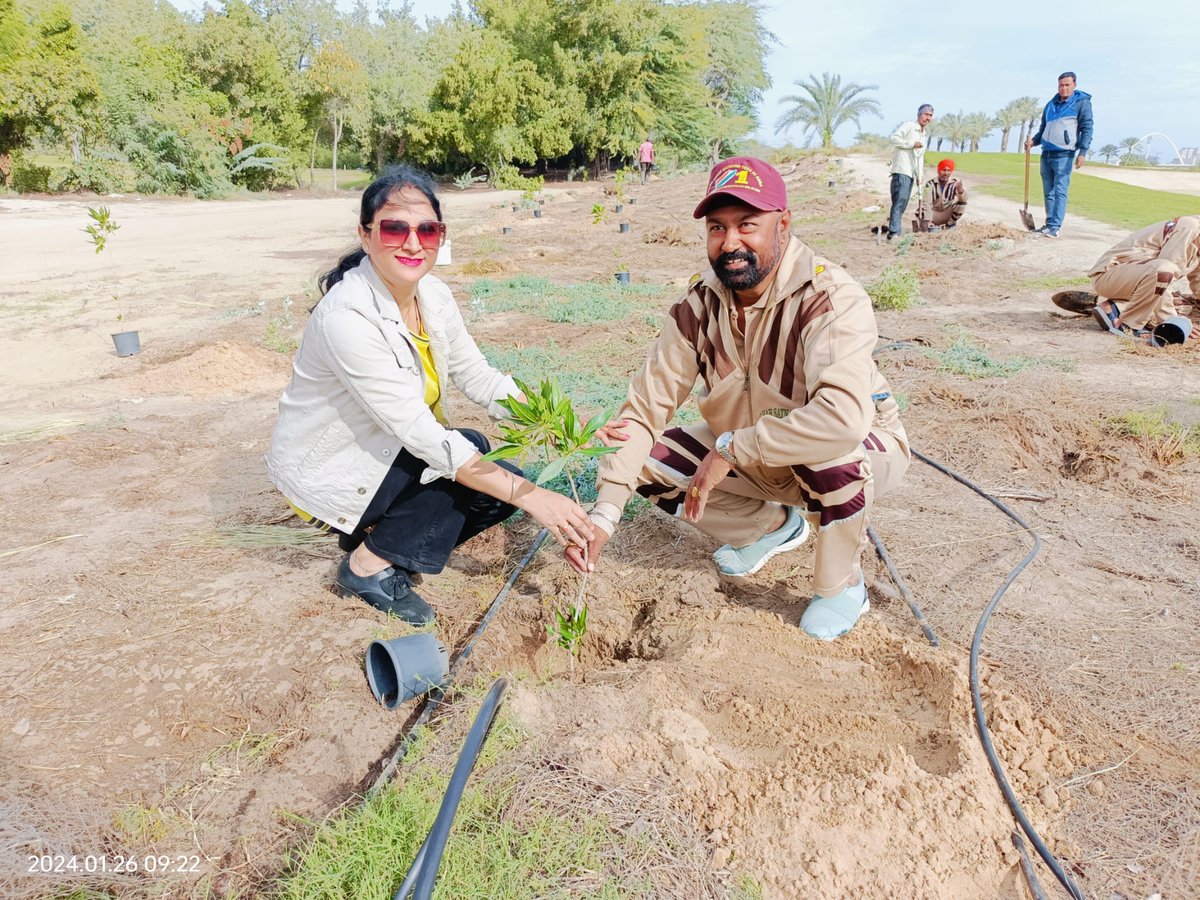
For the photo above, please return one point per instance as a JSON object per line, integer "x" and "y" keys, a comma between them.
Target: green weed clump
{"x": 1165, "y": 440}
{"x": 503, "y": 843}
{"x": 589, "y": 303}
{"x": 968, "y": 357}
{"x": 897, "y": 287}
{"x": 589, "y": 381}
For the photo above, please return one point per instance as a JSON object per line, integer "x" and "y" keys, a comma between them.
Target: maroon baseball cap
{"x": 747, "y": 179}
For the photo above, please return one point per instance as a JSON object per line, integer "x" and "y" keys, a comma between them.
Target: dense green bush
{"x": 509, "y": 178}
{"x": 107, "y": 174}
{"x": 28, "y": 178}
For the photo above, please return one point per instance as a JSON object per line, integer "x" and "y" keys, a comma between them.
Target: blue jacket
{"x": 1066, "y": 125}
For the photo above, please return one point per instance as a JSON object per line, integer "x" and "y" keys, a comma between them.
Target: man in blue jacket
{"x": 1065, "y": 135}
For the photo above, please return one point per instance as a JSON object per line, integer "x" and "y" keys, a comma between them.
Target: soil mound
{"x": 212, "y": 370}
{"x": 815, "y": 766}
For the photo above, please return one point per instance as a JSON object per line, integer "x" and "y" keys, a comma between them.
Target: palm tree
{"x": 825, "y": 106}
{"x": 1008, "y": 118}
{"x": 1127, "y": 145}
{"x": 952, "y": 129}
{"x": 977, "y": 126}
{"x": 1030, "y": 109}
{"x": 1108, "y": 151}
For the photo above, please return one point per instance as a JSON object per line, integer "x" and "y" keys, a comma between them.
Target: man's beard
{"x": 743, "y": 279}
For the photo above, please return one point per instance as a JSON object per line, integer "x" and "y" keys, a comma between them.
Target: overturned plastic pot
{"x": 1173, "y": 330}
{"x": 127, "y": 343}
{"x": 406, "y": 667}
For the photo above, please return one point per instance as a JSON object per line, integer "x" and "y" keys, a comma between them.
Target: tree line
{"x": 134, "y": 94}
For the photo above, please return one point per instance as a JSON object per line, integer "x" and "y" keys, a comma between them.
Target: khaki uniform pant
{"x": 835, "y": 497}
{"x": 1142, "y": 290}
{"x": 948, "y": 215}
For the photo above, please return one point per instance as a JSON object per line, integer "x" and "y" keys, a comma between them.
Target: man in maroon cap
{"x": 800, "y": 430}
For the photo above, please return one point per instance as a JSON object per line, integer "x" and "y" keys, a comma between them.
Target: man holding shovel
{"x": 908, "y": 164}
{"x": 800, "y": 430}
{"x": 1064, "y": 136}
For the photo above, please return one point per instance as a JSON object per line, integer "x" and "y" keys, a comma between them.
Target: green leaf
{"x": 596, "y": 451}
{"x": 552, "y": 471}
{"x": 505, "y": 451}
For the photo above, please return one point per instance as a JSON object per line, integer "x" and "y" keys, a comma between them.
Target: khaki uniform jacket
{"x": 1176, "y": 241}
{"x": 808, "y": 391}
{"x": 357, "y": 397}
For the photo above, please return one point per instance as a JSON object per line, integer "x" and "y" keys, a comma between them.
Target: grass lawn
{"x": 347, "y": 179}
{"x": 1111, "y": 202}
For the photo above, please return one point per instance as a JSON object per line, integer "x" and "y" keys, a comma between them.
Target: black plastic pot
{"x": 624, "y": 228}
{"x": 505, "y": 230}
{"x": 406, "y": 667}
{"x": 537, "y": 213}
{"x": 622, "y": 277}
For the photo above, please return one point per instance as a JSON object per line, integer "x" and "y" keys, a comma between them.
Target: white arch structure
{"x": 1178, "y": 155}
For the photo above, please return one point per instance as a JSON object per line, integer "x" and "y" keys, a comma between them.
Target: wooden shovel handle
{"x": 1027, "y": 178}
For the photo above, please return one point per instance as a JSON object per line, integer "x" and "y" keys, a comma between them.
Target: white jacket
{"x": 907, "y": 160}
{"x": 357, "y": 397}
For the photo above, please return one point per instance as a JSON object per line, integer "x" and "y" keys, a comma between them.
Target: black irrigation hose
{"x": 423, "y": 872}
{"x": 985, "y": 736}
{"x": 902, "y": 587}
{"x": 435, "y": 697}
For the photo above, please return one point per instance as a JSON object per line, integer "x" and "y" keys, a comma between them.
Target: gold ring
{"x": 695, "y": 491}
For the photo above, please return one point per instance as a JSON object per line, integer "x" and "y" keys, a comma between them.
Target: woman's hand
{"x": 561, "y": 516}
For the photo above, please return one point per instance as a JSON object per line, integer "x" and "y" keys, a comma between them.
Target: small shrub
{"x": 1166, "y": 442}
{"x": 28, "y": 178}
{"x": 968, "y": 357}
{"x": 897, "y": 287}
{"x": 101, "y": 175}
{"x": 509, "y": 178}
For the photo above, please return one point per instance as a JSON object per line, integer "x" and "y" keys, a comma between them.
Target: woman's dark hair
{"x": 374, "y": 198}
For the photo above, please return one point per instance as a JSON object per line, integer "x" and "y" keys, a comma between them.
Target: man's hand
{"x": 1028, "y": 143}
{"x": 1079, "y": 161}
{"x": 612, "y": 432}
{"x": 574, "y": 553}
{"x": 712, "y": 472}
{"x": 918, "y": 145}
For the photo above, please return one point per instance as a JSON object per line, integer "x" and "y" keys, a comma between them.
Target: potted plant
{"x": 622, "y": 273}
{"x": 545, "y": 424}
{"x": 102, "y": 228}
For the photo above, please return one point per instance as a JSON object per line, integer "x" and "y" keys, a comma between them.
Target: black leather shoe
{"x": 390, "y": 591}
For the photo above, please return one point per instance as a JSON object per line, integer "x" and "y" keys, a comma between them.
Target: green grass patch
{"x": 589, "y": 303}
{"x": 521, "y": 831}
{"x": 347, "y": 179}
{"x": 1111, "y": 202}
{"x": 897, "y": 287}
{"x": 1054, "y": 282}
{"x": 590, "y": 383}
{"x": 1167, "y": 440}
{"x": 969, "y": 357}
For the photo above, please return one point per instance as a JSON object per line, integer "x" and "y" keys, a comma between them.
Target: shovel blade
{"x": 1027, "y": 220}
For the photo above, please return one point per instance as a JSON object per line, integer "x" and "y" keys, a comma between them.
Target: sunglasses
{"x": 394, "y": 233}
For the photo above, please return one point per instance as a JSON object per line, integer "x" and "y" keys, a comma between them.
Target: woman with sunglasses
{"x": 364, "y": 445}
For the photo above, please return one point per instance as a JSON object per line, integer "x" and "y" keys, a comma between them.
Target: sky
{"x": 1142, "y": 69}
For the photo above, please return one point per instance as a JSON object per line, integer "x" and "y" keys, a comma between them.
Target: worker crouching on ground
{"x": 1138, "y": 272}
{"x": 948, "y": 196}
{"x": 363, "y": 445}
{"x": 800, "y": 430}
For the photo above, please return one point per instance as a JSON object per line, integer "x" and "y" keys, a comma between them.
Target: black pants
{"x": 416, "y": 526}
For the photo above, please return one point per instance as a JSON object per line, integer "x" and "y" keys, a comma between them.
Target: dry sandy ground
{"x": 170, "y": 695}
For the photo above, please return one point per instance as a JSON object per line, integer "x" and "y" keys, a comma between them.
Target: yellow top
{"x": 433, "y": 390}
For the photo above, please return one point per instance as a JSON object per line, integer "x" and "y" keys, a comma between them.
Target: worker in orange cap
{"x": 948, "y": 196}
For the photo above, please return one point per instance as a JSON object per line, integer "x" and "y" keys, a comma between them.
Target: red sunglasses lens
{"x": 394, "y": 233}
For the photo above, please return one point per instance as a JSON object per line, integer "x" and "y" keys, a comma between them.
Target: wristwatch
{"x": 724, "y": 448}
